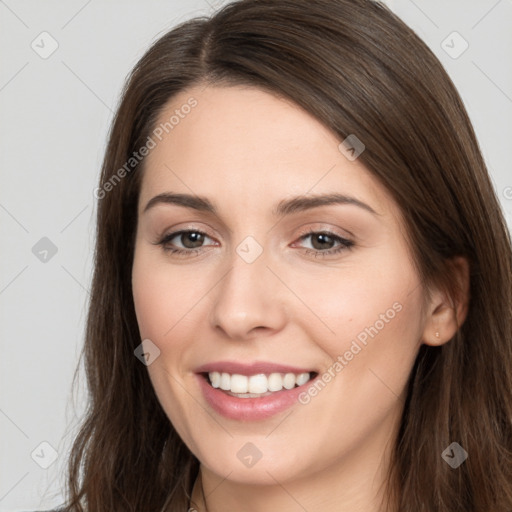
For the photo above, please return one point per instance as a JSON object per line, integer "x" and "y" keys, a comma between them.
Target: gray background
{"x": 55, "y": 113}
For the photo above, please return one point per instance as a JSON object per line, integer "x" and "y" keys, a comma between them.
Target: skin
{"x": 246, "y": 150}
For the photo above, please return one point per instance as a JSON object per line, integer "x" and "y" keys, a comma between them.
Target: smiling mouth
{"x": 258, "y": 385}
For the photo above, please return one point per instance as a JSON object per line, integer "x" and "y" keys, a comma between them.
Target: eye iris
{"x": 325, "y": 241}
{"x": 192, "y": 239}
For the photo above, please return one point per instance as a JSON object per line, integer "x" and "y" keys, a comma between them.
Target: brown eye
{"x": 322, "y": 241}
{"x": 191, "y": 239}
{"x": 184, "y": 242}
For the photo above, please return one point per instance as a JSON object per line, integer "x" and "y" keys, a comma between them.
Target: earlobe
{"x": 448, "y": 307}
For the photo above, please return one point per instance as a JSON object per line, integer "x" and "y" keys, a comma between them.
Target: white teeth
{"x": 275, "y": 382}
{"x": 215, "y": 379}
{"x": 225, "y": 381}
{"x": 289, "y": 381}
{"x": 257, "y": 384}
{"x": 239, "y": 383}
{"x": 302, "y": 378}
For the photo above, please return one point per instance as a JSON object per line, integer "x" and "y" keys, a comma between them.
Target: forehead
{"x": 252, "y": 147}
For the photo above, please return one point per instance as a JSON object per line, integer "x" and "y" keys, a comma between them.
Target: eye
{"x": 325, "y": 243}
{"x": 191, "y": 241}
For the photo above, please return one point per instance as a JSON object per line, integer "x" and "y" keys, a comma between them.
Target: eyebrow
{"x": 284, "y": 207}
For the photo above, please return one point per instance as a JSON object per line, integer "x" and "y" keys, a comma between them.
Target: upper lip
{"x": 254, "y": 368}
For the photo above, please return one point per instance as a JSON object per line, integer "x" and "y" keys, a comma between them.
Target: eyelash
{"x": 344, "y": 243}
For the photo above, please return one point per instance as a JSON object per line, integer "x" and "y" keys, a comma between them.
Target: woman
{"x": 302, "y": 287}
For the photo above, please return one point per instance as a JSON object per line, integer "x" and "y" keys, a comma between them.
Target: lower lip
{"x": 250, "y": 409}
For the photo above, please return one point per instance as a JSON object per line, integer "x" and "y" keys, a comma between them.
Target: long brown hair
{"x": 360, "y": 70}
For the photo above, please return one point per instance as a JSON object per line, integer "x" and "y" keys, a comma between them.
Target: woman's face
{"x": 269, "y": 282}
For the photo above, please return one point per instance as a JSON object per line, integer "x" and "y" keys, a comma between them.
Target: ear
{"x": 447, "y": 311}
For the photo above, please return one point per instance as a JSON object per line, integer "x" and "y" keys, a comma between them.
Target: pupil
{"x": 325, "y": 241}
{"x": 192, "y": 239}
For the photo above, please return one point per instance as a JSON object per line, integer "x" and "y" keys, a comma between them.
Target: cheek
{"x": 153, "y": 304}
{"x": 376, "y": 319}
{"x": 162, "y": 298}
{"x": 369, "y": 315}
{"x": 162, "y": 295}
{"x": 351, "y": 298}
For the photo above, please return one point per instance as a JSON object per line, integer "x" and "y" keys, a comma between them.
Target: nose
{"x": 248, "y": 300}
